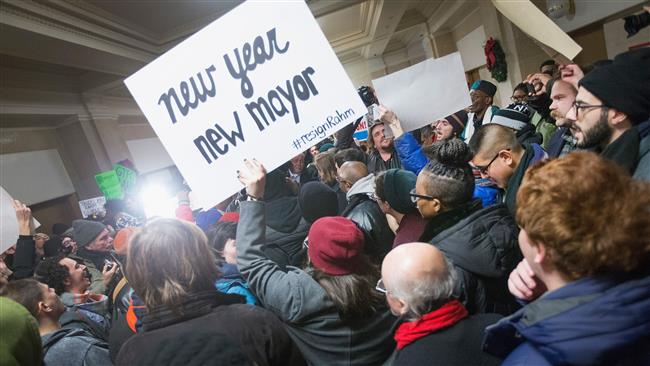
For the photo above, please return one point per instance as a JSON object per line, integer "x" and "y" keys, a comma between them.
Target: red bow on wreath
{"x": 491, "y": 59}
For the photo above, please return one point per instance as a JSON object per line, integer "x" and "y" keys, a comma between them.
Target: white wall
{"x": 149, "y": 155}
{"x": 590, "y": 11}
{"x": 471, "y": 49}
{"x": 35, "y": 176}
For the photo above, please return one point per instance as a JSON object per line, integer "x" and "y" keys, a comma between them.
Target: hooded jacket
{"x": 74, "y": 347}
{"x": 368, "y": 216}
{"x": 286, "y": 230}
{"x": 311, "y": 318}
{"x": 591, "y": 321}
{"x": 484, "y": 250}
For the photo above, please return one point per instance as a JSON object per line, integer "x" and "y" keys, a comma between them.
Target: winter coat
{"x": 94, "y": 310}
{"x": 371, "y": 220}
{"x": 209, "y": 323}
{"x": 458, "y": 345}
{"x": 471, "y": 128}
{"x": 532, "y": 154}
{"x": 286, "y": 230}
{"x": 231, "y": 282}
{"x": 544, "y": 128}
{"x": 642, "y": 171}
{"x": 311, "y": 317}
{"x": 482, "y": 245}
{"x": 561, "y": 143}
{"x": 377, "y": 164}
{"x": 624, "y": 151}
{"x": 591, "y": 321}
{"x": 24, "y": 259}
{"x": 74, "y": 347}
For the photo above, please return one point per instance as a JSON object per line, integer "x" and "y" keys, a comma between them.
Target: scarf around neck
{"x": 441, "y": 318}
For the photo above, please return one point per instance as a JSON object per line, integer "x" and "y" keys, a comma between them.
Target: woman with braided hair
{"x": 480, "y": 242}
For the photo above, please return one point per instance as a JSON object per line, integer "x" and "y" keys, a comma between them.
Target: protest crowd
{"x": 511, "y": 235}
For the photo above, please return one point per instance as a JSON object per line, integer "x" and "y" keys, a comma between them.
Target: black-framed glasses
{"x": 380, "y": 287}
{"x": 484, "y": 169}
{"x": 415, "y": 197}
{"x": 577, "y": 106}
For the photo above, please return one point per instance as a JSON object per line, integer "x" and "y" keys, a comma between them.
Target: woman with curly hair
{"x": 587, "y": 243}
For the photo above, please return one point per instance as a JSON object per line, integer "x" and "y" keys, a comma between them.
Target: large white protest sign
{"x": 425, "y": 92}
{"x": 8, "y": 222}
{"x": 260, "y": 82}
{"x": 532, "y": 21}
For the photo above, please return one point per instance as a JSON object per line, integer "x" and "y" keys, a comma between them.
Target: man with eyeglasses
{"x": 418, "y": 282}
{"x": 501, "y": 158}
{"x": 611, "y": 100}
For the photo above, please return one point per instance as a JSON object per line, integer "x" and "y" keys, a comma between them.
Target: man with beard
{"x": 382, "y": 151}
{"x": 563, "y": 94}
{"x": 620, "y": 92}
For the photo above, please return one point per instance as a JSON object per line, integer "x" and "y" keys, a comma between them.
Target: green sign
{"x": 109, "y": 184}
{"x": 125, "y": 175}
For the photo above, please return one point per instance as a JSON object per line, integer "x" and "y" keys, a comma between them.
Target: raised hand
{"x": 253, "y": 176}
{"x": 24, "y": 218}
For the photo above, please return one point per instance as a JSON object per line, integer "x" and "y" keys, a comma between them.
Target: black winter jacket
{"x": 286, "y": 231}
{"x": 458, "y": 345}
{"x": 368, "y": 216}
{"x": 484, "y": 250}
{"x": 208, "y": 325}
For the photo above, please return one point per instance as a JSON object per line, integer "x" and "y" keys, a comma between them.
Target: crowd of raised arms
{"x": 516, "y": 235}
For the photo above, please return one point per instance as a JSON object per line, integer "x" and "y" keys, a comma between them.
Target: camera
{"x": 367, "y": 95}
{"x": 634, "y": 23}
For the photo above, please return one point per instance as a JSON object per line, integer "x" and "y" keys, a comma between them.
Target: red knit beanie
{"x": 335, "y": 245}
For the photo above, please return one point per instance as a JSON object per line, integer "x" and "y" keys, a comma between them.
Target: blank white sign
{"x": 35, "y": 176}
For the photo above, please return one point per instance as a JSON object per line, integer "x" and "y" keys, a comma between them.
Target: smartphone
{"x": 109, "y": 265}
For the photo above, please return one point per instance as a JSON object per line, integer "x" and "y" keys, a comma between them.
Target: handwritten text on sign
{"x": 270, "y": 91}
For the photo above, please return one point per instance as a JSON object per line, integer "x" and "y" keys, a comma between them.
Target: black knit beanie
{"x": 624, "y": 84}
{"x": 398, "y": 184}
{"x": 317, "y": 200}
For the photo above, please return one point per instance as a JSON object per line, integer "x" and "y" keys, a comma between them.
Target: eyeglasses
{"x": 415, "y": 197}
{"x": 380, "y": 287}
{"x": 485, "y": 169}
{"x": 577, "y": 106}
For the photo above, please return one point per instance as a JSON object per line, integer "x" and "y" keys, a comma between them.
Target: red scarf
{"x": 446, "y": 316}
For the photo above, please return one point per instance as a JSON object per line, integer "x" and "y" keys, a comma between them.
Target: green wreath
{"x": 496, "y": 60}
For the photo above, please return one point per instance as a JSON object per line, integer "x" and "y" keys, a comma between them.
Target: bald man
{"x": 418, "y": 282}
{"x": 501, "y": 158}
{"x": 359, "y": 186}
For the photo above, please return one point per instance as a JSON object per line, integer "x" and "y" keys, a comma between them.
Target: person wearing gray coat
{"x": 331, "y": 309}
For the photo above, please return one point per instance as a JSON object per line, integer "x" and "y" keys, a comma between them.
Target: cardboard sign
{"x": 109, "y": 183}
{"x": 92, "y": 206}
{"x": 425, "y": 92}
{"x": 269, "y": 90}
{"x": 126, "y": 176}
{"x": 8, "y": 222}
{"x": 532, "y": 21}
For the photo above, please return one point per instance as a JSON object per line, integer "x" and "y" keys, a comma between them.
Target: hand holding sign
{"x": 214, "y": 100}
{"x": 389, "y": 118}
{"x": 253, "y": 176}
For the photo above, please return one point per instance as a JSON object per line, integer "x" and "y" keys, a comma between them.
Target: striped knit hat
{"x": 515, "y": 116}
